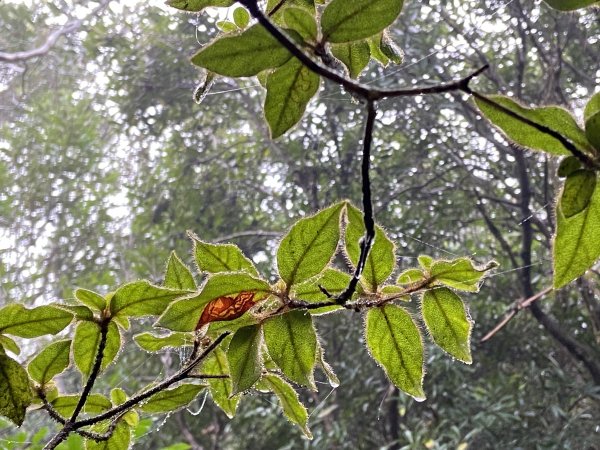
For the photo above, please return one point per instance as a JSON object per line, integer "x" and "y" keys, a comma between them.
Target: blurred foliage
{"x": 105, "y": 162}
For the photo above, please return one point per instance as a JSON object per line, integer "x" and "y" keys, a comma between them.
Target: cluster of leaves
{"x": 355, "y": 33}
{"x": 344, "y": 36}
{"x": 265, "y": 331}
{"x": 246, "y": 333}
{"x": 554, "y": 130}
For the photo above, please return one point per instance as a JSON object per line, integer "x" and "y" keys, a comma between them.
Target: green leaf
{"x": 91, "y": 299}
{"x": 119, "y": 440}
{"x": 394, "y": 341}
{"x": 184, "y": 314}
{"x": 592, "y": 130}
{"x": 198, "y": 5}
{"x": 375, "y": 50}
{"x": 7, "y": 343}
{"x": 381, "y": 260}
{"x": 95, "y": 403}
{"x": 390, "y": 49}
{"x": 79, "y": 311}
{"x": 219, "y": 327}
{"x": 334, "y": 281}
{"x": 576, "y": 246}
{"x": 289, "y": 89}
{"x": 243, "y": 358}
{"x": 172, "y": 399}
{"x": 309, "y": 246}
{"x": 140, "y": 298}
{"x": 19, "y": 321}
{"x": 410, "y": 276}
{"x": 15, "y": 393}
{"x": 290, "y": 403}
{"x": 153, "y": 343}
{"x": 567, "y": 166}
{"x": 85, "y": 346}
{"x": 243, "y": 55}
{"x": 459, "y": 274}
{"x": 215, "y": 258}
{"x": 425, "y": 261}
{"x": 117, "y": 396}
{"x": 448, "y": 322}
{"x": 178, "y": 276}
{"x": 50, "y": 362}
{"x": 345, "y": 21}
{"x": 220, "y": 388}
{"x": 241, "y": 17}
{"x": 301, "y": 21}
{"x": 577, "y": 192}
{"x": 308, "y": 5}
{"x": 334, "y": 381}
{"x": 292, "y": 342}
{"x": 226, "y": 26}
{"x": 570, "y": 5}
{"x": 355, "y": 56}
{"x": 592, "y": 107}
{"x": 553, "y": 117}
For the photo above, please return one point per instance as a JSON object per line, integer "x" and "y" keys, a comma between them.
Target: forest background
{"x": 106, "y": 161}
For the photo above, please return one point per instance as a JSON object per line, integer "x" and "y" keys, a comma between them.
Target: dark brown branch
{"x": 53, "y": 413}
{"x": 585, "y": 159}
{"x": 95, "y": 371}
{"x": 360, "y": 90}
{"x": 201, "y": 376}
{"x": 367, "y": 240}
{"x": 133, "y": 401}
{"x": 69, "y": 424}
{"x": 276, "y": 8}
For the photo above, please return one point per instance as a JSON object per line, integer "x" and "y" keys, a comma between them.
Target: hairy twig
{"x": 363, "y": 91}
{"x": 69, "y": 424}
{"x": 135, "y": 400}
{"x": 369, "y": 95}
{"x": 367, "y": 241}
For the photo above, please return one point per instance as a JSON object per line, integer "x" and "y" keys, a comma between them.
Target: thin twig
{"x": 70, "y": 423}
{"x": 361, "y": 90}
{"x": 585, "y": 159}
{"x": 54, "y": 414}
{"x": 521, "y": 304}
{"x": 133, "y": 401}
{"x": 367, "y": 241}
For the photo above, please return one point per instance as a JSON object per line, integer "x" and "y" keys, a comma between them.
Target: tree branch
{"x": 133, "y": 401}
{"x": 520, "y": 304}
{"x": 68, "y": 425}
{"x": 360, "y": 90}
{"x": 367, "y": 241}
{"x": 585, "y": 159}
{"x": 50, "y": 41}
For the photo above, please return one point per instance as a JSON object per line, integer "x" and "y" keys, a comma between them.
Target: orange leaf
{"x": 226, "y": 308}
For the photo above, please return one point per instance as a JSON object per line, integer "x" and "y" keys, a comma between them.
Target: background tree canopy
{"x": 106, "y": 161}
